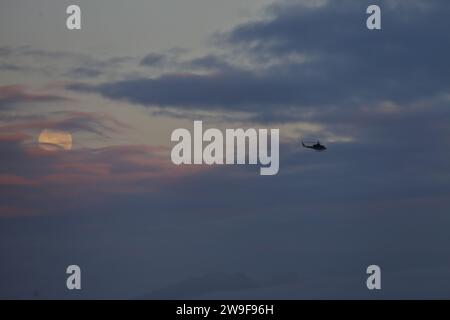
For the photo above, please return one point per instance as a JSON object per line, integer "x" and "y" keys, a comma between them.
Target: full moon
{"x": 55, "y": 140}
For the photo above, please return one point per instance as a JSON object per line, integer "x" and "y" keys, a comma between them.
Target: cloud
{"x": 343, "y": 65}
{"x": 31, "y": 174}
{"x": 210, "y": 62}
{"x": 66, "y": 64}
{"x": 153, "y": 59}
{"x": 228, "y": 222}
{"x": 239, "y": 91}
{"x": 171, "y": 58}
{"x": 73, "y": 121}
{"x": 13, "y": 180}
{"x": 84, "y": 72}
{"x": 402, "y": 62}
{"x": 67, "y": 56}
{"x": 10, "y": 67}
{"x": 15, "y": 94}
{"x": 204, "y": 285}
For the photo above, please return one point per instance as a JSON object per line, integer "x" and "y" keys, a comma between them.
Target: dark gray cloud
{"x": 174, "y": 60}
{"x": 402, "y": 62}
{"x": 309, "y": 232}
{"x": 210, "y": 62}
{"x": 153, "y": 59}
{"x": 236, "y": 90}
{"x": 345, "y": 64}
{"x": 320, "y": 221}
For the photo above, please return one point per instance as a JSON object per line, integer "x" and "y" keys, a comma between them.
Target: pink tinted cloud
{"x": 11, "y": 94}
{"x": 93, "y": 122}
{"x": 14, "y": 137}
{"x": 87, "y": 175}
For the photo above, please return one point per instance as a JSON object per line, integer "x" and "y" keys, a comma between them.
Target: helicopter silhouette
{"x": 317, "y": 147}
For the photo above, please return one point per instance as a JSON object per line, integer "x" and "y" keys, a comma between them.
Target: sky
{"x": 140, "y": 227}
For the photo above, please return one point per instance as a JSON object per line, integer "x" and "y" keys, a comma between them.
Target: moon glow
{"x": 55, "y": 140}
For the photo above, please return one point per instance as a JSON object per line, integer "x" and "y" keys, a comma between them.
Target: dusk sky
{"x": 110, "y": 200}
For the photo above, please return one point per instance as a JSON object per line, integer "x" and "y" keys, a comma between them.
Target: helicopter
{"x": 317, "y": 147}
